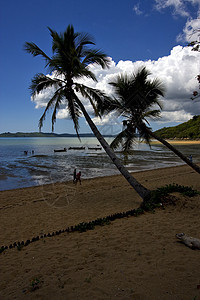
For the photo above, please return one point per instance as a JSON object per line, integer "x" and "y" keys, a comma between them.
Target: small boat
{"x": 94, "y": 148}
{"x": 60, "y": 150}
{"x": 76, "y": 148}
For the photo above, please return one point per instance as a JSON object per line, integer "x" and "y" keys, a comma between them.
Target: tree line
{"x": 188, "y": 130}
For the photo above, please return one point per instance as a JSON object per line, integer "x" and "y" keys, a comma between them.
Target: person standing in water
{"x": 78, "y": 177}
{"x": 74, "y": 176}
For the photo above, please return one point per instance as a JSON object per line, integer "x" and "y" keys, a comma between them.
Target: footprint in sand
{"x": 58, "y": 197}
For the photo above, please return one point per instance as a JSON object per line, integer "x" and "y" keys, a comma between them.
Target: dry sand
{"x": 132, "y": 258}
{"x": 179, "y": 142}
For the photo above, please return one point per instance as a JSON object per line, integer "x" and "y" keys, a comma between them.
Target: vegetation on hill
{"x": 46, "y": 134}
{"x": 27, "y": 134}
{"x": 188, "y": 130}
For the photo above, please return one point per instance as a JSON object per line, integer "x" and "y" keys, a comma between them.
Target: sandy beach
{"x": 131, "y": 258}
{"x": 179, "y": 142}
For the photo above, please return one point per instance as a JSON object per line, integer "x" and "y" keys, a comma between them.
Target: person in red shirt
{"x": 78, "y": 177}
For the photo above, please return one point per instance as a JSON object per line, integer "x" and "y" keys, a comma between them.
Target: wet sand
{"x": 132, "y": 258}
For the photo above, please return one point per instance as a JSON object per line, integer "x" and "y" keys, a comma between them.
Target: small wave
{"x": 39, "y": 155}
{"x": 3, "y": 176}
{"x": 42, "y": 166}
{"x": 37, "y": 172}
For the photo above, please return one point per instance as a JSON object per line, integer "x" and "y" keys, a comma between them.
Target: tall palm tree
{"x": 136, "y": 99}
{"x": 73, "y": 52}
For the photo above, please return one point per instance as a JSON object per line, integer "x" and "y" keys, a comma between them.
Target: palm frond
{"x": 158, "y": 87}
{"x": 152, "y": 114}
{"x": 144, "y": 134}
{"x": 126, "y": 138}
{"x": 74, "y": 111}
{"x": 136, "y": 93}
{"x": 81, "y": 71}
{"x": 118, "y": 140}
{"x": 85, "y": 94}
{"x": 56, "y": 107}
{"x": 49, "y": 105}
{"x": 55, "y": 65}
{"x": 82, "y": 41}
{"x": 96, "y": 95}
{"x": 57, "y": 40}
{"x": 154, "y": 89}
{"x": 41, "y": 82}
{"x": 128, "y": 144}
{"x": 96, "y": 56}
{"x": 141, "y": 75}
{"x": 109, "y": 104}
{"x": 33, "y": 49}
{"x": 121, "y": 85}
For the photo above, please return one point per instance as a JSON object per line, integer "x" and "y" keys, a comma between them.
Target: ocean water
{"x": 43, "y": 166}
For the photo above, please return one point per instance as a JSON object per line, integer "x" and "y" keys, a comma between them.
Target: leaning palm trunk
{"x": 178, "y": 153}
{"x": 72, "y": 55}
{"x": 139, "y": 188}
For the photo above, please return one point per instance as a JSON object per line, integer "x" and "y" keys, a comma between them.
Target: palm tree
{"x": 73, "y": 52}
{"x": 137, "y": 97}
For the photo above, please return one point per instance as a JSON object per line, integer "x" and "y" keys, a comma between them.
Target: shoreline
{"x": 20, "y": 170}
{"x": 97, "y": 177}
{"x": 132, "y": 258}
{"x": 83, "y": 179}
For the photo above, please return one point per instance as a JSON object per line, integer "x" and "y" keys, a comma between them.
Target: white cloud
{"x": 177, "y": 71}
{"x": 180, "y": 7}
{"x": 136, "y": 9}
{"x": 42, "y": 98}
{"x": 63, "y": 114}
{"x": 175, "y": 116}
{"x": 183, "y": 8}
{"x": 191, "y": 31}
{"x": 110, "y": 119}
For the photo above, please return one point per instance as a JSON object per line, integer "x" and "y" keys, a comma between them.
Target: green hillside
{"x": 188, "y": 130}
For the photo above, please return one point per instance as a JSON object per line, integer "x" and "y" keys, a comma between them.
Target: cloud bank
{"x": 177, "y": 71}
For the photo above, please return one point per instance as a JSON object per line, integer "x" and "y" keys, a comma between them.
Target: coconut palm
{"x": 136, "y": 99}
{"x": 73, "y": 52}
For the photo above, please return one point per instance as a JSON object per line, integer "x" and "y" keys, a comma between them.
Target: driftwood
{"x": 189, "y": 241}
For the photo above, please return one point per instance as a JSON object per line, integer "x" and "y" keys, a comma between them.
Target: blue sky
{"x": 150, "y": 32}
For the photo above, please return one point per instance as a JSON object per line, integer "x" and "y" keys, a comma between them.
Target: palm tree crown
{"x": 72, "y": 53}
{"x": 136, "y": 98}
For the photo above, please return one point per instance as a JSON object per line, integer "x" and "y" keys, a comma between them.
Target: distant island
{"x": 45, "y": 134}
{"x": 189, "y": 130}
